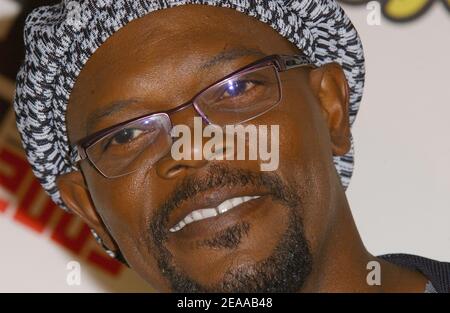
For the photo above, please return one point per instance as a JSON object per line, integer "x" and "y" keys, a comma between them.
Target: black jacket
{"x": 438, "y": 273}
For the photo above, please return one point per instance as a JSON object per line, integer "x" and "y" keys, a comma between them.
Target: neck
{"x": 343, "y": 264}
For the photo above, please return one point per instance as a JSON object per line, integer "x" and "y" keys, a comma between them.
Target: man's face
{"x": 266, "y": 244}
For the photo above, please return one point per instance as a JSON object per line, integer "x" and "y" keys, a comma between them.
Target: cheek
{"x": 305, "y": 158}
{"x": 126, "y": 206}
{"x": 119, "y": 207}
{"x": 111, "y": 197}
{"x": 118, "y": 203}
{"x": 302, "y": 135}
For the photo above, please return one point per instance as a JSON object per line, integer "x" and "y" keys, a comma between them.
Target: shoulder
{"x": 437, "y": 272}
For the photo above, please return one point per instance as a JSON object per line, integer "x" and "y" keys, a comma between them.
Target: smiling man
{"x": 105, "y": 82}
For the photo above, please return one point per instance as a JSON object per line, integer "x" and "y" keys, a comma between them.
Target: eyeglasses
{"x": 237, "y": 98}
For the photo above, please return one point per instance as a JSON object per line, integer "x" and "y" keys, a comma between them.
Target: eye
{"x": 237, "y": 88}
{"x": 125, "y": 136}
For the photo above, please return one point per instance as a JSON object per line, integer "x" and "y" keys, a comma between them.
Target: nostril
{"x": 169, "y": 168}
{"x": 174, "y": 171}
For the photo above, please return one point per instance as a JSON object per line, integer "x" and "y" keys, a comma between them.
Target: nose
{"x": 170, "y": 167}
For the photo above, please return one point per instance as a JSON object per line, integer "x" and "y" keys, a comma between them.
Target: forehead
{"x": 162, "y": 56}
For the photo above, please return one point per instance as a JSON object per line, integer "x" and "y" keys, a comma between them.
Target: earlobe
{"x": 330, "y": 87}
{"x": 75, "y": 194}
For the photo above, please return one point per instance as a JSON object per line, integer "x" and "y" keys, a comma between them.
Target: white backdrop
{"x": 399, "y": 192}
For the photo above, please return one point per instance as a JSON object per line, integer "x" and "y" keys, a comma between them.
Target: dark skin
{"x": 159, "y": 62}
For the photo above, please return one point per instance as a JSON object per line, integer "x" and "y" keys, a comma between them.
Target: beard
{"x": 285, "y": 270}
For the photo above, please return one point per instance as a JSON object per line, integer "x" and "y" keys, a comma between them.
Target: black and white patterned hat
{"x": 60, "y": 39}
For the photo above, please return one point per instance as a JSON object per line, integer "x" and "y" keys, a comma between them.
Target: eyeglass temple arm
{"x": 78, "y": 154}
{"x": 289, "y": 62}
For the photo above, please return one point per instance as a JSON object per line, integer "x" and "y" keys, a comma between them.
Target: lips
{"x": 212, "y": 204}
{"x": 206, "y": 213}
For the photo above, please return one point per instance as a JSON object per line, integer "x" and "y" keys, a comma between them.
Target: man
{"x": 104, "y": 85}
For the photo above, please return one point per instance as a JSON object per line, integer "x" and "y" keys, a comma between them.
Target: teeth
{"x": 224, "y": 206}
{"x": 237, "y": 201}
{"x": 207, "y": 213}
{"x": 197, "y": 216}
{"x": 202, "y": 214}
{"x": 188, "y": 219}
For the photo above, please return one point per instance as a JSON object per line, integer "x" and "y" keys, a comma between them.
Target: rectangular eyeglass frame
{"x": 281, "y": 62}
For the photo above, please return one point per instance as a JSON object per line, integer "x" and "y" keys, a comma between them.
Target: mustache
{"x": 220, "y": 176}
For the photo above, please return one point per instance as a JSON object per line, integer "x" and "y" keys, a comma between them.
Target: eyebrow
{"x": 113, "y": 107}
{"x": 230, "y": 55}
{"x": 220, "y": 58}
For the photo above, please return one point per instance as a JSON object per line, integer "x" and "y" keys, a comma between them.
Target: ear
{"x": 330, "y": 87}
{"x": 75, "y": 194}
